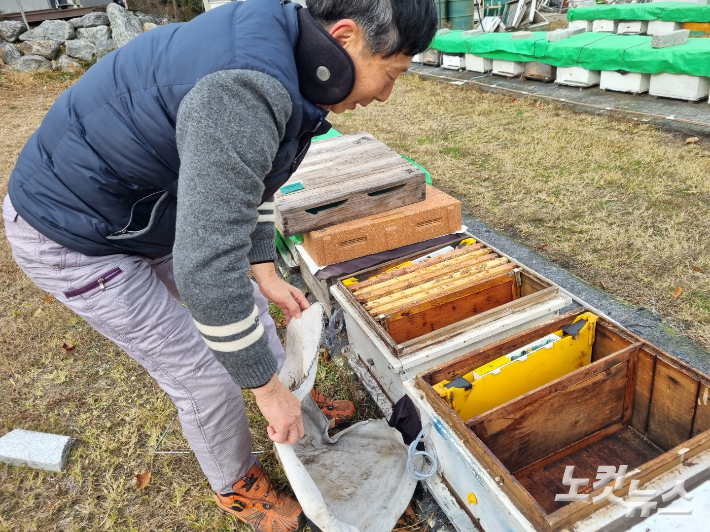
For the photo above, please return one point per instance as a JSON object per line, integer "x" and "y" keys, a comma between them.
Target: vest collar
{"x": 326, "y": 73}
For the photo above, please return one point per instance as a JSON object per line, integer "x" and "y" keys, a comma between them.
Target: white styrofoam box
{"x": 509, "y": 69}
{"x": 679, "y": 86}
{"x": 632, "y": 27}
{"x": 578, "y": 76}
{"x": 586, "y": 25}
{"x": 417, "y": 59}
{"x": 661, "y": 27}
{"x": 476, "y": 63}
{"x": 634, "y": 82}
{"x": 431, "y": 57}
{"x": 453, "y": 61}
{"x": 604, "y": 26}
{"x": 389, "y": 371}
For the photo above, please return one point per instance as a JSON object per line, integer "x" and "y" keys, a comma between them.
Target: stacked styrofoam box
{"x": 661, "y": 27}
{"x": 679, "y": 86}
{"x": 508, "y": 69}
{"x": 453, "y": 61}
{"x": 604, "y": 26}
{"x": 586, "y": 25}
{"x": 476, "y": 63}
{"x": 633, "y": 82}
{"x": 632, "y": 27}
{"x": 578, "y": 76}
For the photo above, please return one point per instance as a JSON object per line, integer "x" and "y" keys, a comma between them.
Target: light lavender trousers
{"x": 133, "y": 301}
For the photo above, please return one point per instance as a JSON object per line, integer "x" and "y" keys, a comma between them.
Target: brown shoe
{"x": 255, "y": 502}
{"x": 338, "y": 412}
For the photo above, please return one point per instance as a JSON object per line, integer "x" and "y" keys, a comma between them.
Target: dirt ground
{"x": 620, "y": 204}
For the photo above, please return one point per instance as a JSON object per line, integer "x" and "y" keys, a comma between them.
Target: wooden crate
{"x": 439, "y": 214}
{"x": 345, "y": 178}
{"x": 534, "y": 70}
{"x": 633, "y": 405}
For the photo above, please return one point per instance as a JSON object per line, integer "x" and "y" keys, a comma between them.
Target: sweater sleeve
{"x": 229, "y": 127}
{"x": 263, "y": 239}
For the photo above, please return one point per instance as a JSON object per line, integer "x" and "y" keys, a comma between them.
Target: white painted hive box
{"x": 633, "y": 82}
{"x": 661, "y": 27}
{"x": 679, "y": 86}
{"x": 453, "y": 61}
{"x": 632, "y": 27}
{"x": 578, "y": 76}
{"x": 509, "y": 69}
{"x": 604, "y": 26}
{"x": 476, "y": 63}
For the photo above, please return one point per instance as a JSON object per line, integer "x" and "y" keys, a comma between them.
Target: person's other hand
{"x": 282, "y": 410}
{"x": 289, "y": 298}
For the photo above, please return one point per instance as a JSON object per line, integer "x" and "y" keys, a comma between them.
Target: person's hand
{"x": 289, "y": 298}
{"x": 282, "y": 410}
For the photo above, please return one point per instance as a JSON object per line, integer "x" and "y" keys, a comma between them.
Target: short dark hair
{"x": 390, "y": 26}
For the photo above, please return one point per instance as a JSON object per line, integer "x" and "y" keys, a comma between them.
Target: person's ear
{"x": 346, "y": 32}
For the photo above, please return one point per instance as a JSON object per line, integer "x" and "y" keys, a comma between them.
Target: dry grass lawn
{"x": 620, "y": 203}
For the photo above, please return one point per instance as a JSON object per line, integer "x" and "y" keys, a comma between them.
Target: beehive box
{"x": 453, "y": 61}
{"x": 578, "y": 76}
{"x": 679, "y": 86}
{"x": 698, "y": 29}
{"x": 632, "y": 27}
{"x": 431, "y": 57}
{"x": 391, "y": 362}
{"x": 508, "y": 69}
{"x": 633, "y": 82}
{"x": 661, "y": 27}
{"x": 439, "y": 214}
{"x": 631, "y": 405}
{"x": 534, "y": 70}
{"x": 604, "y": 26}
{"x": 344, "y": 178}
{"x": 476, "y": 63}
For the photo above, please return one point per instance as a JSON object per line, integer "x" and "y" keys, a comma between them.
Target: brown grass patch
{"x": 620, "y": 203}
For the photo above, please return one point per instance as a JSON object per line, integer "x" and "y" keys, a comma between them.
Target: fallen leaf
{"x": 409, "y": 512}
{"x": 677, "y": 292}
{"x": 697, "y": 269}
{"x": 543, "y": 246}
{"x": 691, "y": 140}
{"x": 142, "y": 480}
{"x": 48, "y": 299}
{"x": 68, "y": 348}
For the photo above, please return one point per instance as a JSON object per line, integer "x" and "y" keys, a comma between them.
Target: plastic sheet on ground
{"x": 354, "y": 481}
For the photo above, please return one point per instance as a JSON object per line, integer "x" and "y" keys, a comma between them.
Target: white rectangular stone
{"x": 586, "y": 24}
{"x": 472, "y": 33}
{"x": 604, "y": 26}
{"x": 558, "y": 35}
{"x": 632, "y": 27}
{"x": 679, "y": 86}
{"x": 633, "y": 82}
{"x": 577, "y": 76}
{"x": 659, "y": 27}
{"x": 37, "y": 450}
{"x": 476, "y": 63}
{"x": 508, "y": 69}
{"x": 575, "y": 4}
{"x": 673, "y": 38}
{"x": 522, "y": 35}
{"x": 453, "y": 61}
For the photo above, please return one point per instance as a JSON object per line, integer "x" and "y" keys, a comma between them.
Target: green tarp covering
{"x": 668, "y": 11}
{"x": 594, "y": 51}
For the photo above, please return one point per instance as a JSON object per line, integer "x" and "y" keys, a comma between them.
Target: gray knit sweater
{"x": 229, "y": 127}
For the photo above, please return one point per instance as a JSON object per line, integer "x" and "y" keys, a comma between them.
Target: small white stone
{"x": 37, "y": 450}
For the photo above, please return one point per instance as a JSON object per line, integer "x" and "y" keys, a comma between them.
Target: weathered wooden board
{"x": 702, "y": 412}
{"x": 672, "y": 406}
{"x": 346, "y": 178}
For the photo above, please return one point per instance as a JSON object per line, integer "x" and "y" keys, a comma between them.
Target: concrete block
{"x": 558, "y": 35}
{"x": 37, "y": 450}
{"x": 472, "y": 33}
{"x": 576, "y": 4}
{"x": 673, "y": 38}
{"x": 442, "y": 31}
{"x": 659, "y": 27}
{"x": 522, "y": 35}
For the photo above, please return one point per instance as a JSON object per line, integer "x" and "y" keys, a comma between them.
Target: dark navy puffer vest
{"x": 100, "y": 174}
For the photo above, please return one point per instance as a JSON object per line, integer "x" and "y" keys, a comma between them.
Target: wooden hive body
{"x": 345, "y": 178}
{"x": 439, "y": 214}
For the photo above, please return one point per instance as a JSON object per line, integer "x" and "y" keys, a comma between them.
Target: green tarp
{"x": 594, "y": 51}
{"x": 668, "y": 11}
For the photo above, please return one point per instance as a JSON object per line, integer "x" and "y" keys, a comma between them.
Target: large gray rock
{"x": 67, "y": 63}
{"x": 47, "y": 49}
{"x": 38, "y": 450}
{"x": 90, "y": 21}
{"x": 104, "y": 48}
{"x": 50, "y": 30}
{"x": 80, "y": 49}
{"x": 124, "y": 25}
{"x": 33, "y": 63}
{"x": 95, "y": 34}
{"x": 146, "y": 17}
{"x": 673, "y": 38}
{"x": 9, "y": 53}
{"x": 10, "y": 30}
